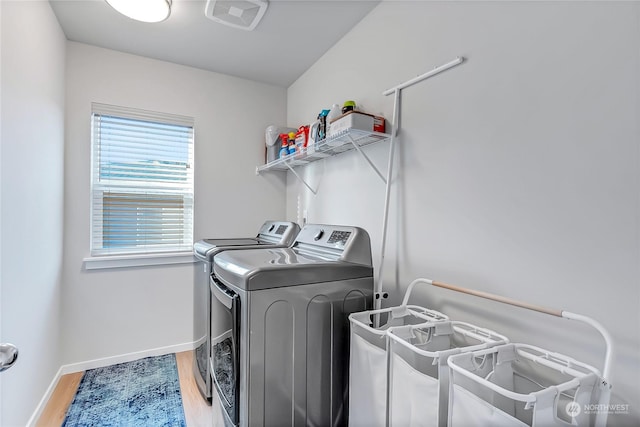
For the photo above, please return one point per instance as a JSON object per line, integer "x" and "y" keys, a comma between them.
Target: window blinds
{"x": 142, "y": 181}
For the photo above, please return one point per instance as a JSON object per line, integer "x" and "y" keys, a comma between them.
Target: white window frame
{"x": 148, "y": 255}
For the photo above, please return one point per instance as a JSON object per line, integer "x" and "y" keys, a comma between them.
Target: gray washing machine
{"x": 283, "y": 358}
{"x": 272, "y": 234}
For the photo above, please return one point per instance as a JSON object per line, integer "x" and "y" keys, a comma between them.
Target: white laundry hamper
{"x": 518, "y": 385}
{"x": 368, "y": 358}
{"x": 418, "y": 372}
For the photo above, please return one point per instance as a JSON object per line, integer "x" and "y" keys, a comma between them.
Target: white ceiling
{"x": 290, "y": 38}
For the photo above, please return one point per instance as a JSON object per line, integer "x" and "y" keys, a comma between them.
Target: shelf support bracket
{"x": 353, "y": 142}
{"x": 300, "y": 178}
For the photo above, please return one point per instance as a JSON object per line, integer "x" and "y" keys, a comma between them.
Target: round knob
{"x": 318, "y": 235}
{"x": 8, "y": 356}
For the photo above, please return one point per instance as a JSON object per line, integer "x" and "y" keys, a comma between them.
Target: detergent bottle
{"x": 284, "y": 147}
{"x": 292, "y": 142}
{"x": 333, "y": 114}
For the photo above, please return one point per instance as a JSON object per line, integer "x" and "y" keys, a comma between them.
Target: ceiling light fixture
{"x": 143, "y": 10}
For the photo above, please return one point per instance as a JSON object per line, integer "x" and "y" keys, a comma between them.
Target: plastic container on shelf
{"x": 322, "y": 127}
{"x": 333, "y": 114}
{"x": 302, "y": 138}
{"x": 357, "y": 120}
{"x": 348, "y": 106}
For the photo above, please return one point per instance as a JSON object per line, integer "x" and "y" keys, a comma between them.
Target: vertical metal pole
{"x": 387, "y": 196}
{"x": 396, "y": 115}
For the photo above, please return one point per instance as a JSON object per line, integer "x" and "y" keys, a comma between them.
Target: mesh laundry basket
{"x": 418, "y": 371}
{"x": 368, "y": 359}
{"x": 518, "y": 385}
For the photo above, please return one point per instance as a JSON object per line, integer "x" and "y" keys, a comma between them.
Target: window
{"x": 142, "y": 182}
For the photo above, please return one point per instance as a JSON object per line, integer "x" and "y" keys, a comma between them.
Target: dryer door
{"x": 225, "y": 350}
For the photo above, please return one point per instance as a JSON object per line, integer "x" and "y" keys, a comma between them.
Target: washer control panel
{"x": 339, "y": 237}
{"x": 278, "y": 232}
{"x": 281, "y": 229}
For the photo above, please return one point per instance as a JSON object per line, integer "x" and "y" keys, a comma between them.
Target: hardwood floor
{"x": 197, "y": 412}
{"x": 54, "y": 412}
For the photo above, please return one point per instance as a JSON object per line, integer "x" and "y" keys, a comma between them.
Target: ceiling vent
{"x": 244, "y": 14}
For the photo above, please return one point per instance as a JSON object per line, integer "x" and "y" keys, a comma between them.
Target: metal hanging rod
{"x": 608, "y": 359}
{"x": 426, "y": 75}
{"x": 394, "y": 131}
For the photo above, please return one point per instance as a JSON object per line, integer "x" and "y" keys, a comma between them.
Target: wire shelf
{"x": 336, "y": 144}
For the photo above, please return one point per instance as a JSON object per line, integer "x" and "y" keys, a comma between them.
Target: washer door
{"x": 225, "y": 350}
{"x": 201, "y": 331}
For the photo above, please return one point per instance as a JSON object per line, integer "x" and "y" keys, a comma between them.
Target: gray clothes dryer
{"x": 283, "y": 358}
{"x": 272, "y": 234}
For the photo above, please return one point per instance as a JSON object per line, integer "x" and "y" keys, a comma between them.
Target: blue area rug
{"x": 144, "y": 392}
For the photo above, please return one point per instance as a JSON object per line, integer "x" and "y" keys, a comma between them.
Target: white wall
{"x": 32, "y": 116}
{"x": 119, "y": 311}
{"x": 519, "y": 171}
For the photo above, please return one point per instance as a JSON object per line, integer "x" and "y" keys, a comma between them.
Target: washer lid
{"x": 206, "y": 249}
{"x": 274, "y": 268}
{"x": 271, "y": 234}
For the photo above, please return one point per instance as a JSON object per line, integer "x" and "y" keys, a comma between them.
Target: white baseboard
{"x": 43, "y": 402}
{"x": 99, "y": 363}
{"x": 113, "y": 360}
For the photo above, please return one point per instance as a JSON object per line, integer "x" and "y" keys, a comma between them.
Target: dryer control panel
{"x": 338, "y": 242}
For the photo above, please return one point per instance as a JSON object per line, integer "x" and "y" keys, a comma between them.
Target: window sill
{"x": 142, "y": 260}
